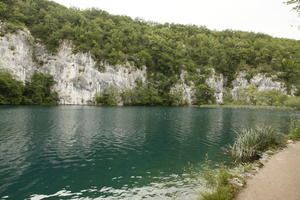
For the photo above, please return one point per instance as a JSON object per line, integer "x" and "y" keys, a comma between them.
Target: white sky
{"x": 272, "y": 17}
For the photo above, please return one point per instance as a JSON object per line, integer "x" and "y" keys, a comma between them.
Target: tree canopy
{"x": 35, "y": 91}
{"x": 295, "y": 3}
{"x": 165, "y": 49}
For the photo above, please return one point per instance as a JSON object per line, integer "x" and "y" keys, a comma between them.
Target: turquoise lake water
{"x": 72, "y": 152}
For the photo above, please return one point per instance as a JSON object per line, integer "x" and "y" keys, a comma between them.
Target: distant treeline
{"x": 165, "y": 49}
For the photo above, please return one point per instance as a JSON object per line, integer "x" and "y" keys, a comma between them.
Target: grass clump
{"x": 251, "y": 142}
{"x": 218, "y": 181}
{"x": 222, "y": 193}
{"x": 224, "y": 183}
{"x": 294, "y": 133}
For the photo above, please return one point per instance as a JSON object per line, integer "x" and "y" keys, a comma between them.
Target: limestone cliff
{"x": 78, "y": 80}
{"x": 261, "y": 81}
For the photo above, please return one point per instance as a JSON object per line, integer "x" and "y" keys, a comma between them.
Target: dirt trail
{"x": 278, "y": 180}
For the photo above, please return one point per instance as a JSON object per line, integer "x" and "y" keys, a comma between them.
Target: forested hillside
{"x": 165, "y": 49}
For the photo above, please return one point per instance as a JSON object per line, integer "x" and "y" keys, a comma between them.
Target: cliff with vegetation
{"x": 95, "y": 57}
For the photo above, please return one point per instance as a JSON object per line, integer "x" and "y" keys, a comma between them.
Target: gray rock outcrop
{"x": 78, "y": 80}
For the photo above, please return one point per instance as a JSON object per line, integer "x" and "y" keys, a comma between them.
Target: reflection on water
{"x": 114, "y": 152}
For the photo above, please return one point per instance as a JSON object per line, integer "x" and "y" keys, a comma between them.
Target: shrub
{"x": 293, "y": 102}
{"x": 294, "y": 134}
{"x": 10, "y": 89}
{"x": 39, "y": 90}
{"x": 249, "y": 95}
{"x": 109, "y": 97}
{"x": 222, "y": 192}
{"x": 142, "y": 95}
{"x": 176, "y": 97}
{"x": 227, "y": 97}
{"x": 36, "y": 91}
{"x": 250, "y": 143}
{"x": 204, "y": 94}
{"x": 270, "y": 98}
{"x": 218, "y": 182}
{"x": 252, "y": 96}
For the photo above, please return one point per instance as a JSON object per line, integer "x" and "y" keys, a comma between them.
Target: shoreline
{"x": 249, "y": 107}
{"x": 276, "y": 165}
{"x": 241, "y": 177}
{"x": 278, "y": 178}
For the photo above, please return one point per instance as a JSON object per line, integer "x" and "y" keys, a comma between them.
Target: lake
{"x": 71, "y": 152}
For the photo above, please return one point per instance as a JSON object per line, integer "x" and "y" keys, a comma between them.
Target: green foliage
{"x": 218, "y": 181}
{"x": 294, "y": 133}
{"x": 148, "y": 94}
{"x": 176, "y": 97}
{"x": 296, "y": 4}
{"x": 293, "y": 102}
{"x": 109, "y": 97}
{"x": 142, "y": 95}
{"x": 204, "y": 94}
{"x": 290, "y": 73}
{"x": 10, "y": 89}
{"x": 165, "y": 49}
{"x": 36, "y": 91}
{"x": 251, "y": 96}
{"x": 225, "y": 192}
{"x": 227, "y": 96}
{"x": 249, "y": 143}
{"x": 271, "y": 98}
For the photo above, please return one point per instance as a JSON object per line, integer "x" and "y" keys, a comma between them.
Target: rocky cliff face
{"x": 217, "y": 82}
{"x": 261, "y": 81}
{"x": 78, "y": 80}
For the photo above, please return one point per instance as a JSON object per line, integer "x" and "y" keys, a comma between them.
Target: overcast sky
{"x": 266, "y": 16}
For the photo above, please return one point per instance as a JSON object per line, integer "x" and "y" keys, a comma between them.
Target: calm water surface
{"x": 71, "y": 152}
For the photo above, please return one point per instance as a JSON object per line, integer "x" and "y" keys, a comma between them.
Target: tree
{"x": 166, "y": 50}
{"x": 39, "y": 90}
{"x": 204, "y": 94}
{"x": 296, "y": 4}
{"x": 109, "y": 97}
{"x": 10, "y": 89}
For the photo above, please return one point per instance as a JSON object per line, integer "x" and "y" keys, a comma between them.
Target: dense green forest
{"x": 36, "y": 91}
{"x": 165, "y": 49}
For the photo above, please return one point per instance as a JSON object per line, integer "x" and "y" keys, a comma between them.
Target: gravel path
{"x": 278, "y": 180}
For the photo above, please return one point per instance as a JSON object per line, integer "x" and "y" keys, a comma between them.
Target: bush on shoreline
{"x": 294, "y": 133}
{"x": 251, "y": 96}
{"x": 223, "y": 183}
{"x": 251, "y": 142}
{"x": 218, "y": 183}
{"x": 109, "y": 97}
{"x": 36, "y": 91}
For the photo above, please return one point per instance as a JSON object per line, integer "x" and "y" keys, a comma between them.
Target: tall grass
{"x": 251, "y": 142}
{"x": 218, "y": 182}
{"x": 294, "y": 133}
{"x": 248, "y": 145}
